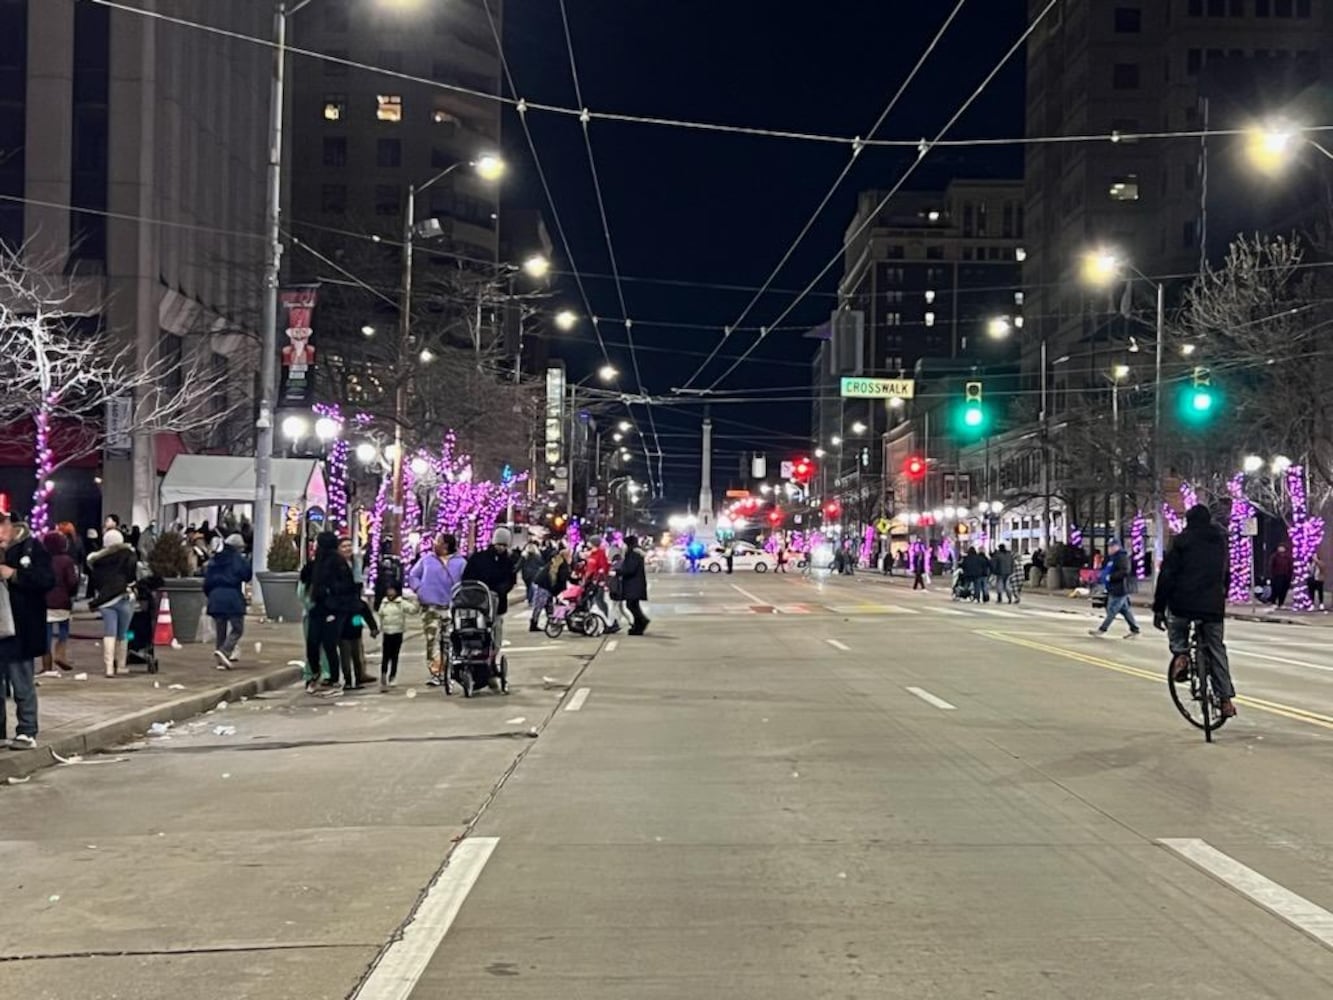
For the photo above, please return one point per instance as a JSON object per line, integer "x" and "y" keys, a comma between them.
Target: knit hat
{"x": 113, "y": 537}
{"x": 502, "y": 536}
{"x": 235, "y": 541}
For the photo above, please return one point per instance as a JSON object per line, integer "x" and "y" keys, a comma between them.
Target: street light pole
{"x": 1159, "y": 526}
{"x": 1045, "y": 454}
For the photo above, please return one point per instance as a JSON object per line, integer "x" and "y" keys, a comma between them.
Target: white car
{"x": 744, "y": 556}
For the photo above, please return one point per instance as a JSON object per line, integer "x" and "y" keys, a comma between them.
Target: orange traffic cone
{"x": 162, "y": 631}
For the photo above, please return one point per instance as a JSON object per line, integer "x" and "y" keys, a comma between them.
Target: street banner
{"x": 555, "y": 414}
{"x": 119, "y": 414}
{"x": 878, "y": 388}
{"x": 296, "y": 316}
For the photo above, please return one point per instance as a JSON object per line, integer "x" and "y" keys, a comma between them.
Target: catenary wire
{"x": 925, "y": 149}
{"x": 833, "y": 189}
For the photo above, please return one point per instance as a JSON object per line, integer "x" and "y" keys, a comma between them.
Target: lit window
{"x": 933, "y": 215}
{"x": 930, "y": 319}
{"x": 930, "y": 297}
{"x": 1018, "y": 322}
{"x": 1018, "y": 298}
{"x": 1125, "y": 188}
{"x": 389, "y": 107}
{"x": 1020, "y": 255}
{"x": 335, "y": 107}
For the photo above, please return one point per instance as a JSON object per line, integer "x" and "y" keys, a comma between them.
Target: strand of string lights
{"x": 828, "y": 195}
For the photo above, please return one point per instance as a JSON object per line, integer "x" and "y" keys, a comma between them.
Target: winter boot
{"x": 122, "y": 656}
{"x": 109, "y": 655}
{"x": 62, "y": 655}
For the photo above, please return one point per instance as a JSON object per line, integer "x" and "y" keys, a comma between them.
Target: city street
{"x": 788, "y": 788}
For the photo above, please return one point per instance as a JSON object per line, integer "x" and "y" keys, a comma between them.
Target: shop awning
{"x": 203, "y": 480}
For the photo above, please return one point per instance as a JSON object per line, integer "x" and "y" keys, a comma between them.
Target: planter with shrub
{"x": 170, "y": 560}
{"x": 277, "y": 584}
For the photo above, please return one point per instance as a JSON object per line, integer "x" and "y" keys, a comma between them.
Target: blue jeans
{"x": 116, "y": 618}
{"x": 1119, "y": 606}
{"x": 16, "y": 679}
{"x": 979, "y": 592}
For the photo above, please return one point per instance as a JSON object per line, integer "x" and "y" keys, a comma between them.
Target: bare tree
{"x": 62, "y": 372}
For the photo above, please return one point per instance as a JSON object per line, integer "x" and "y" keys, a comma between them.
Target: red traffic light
{"x": 775, "y": 517}
{"x": 833, "y": 508}
{"x": 803, "y": 471}
{"x": 915, "y": 467}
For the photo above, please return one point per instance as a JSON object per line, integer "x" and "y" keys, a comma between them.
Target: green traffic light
{"x": 973, "y": 417}
{"x": 1202, "y": 401}
{"x": 1199, "y": 406}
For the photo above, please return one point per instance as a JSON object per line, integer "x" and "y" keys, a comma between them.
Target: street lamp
{"x": 1252, "y": 463}
{"x": 367, "y": 331}
{"x": 419, "y": 466}
{"x": 999, "y": 327}
{"x": 624, "y": 426}
{"x": 820, "y": 453}
{"x": 1101, "y": 268}
{"x": 1281, "y": 463}
{"x": 608, "y": 373}
{"x": 295, "y": 427}
{"x": 537, "y": 266}
{"x": 858, "y": 428}
{"x": 366, "y": 452}
{"x": 489, "y": 167}
{"x": 836, "y": 441}
{"x": 326, "y": 429}
{"x": 1119, "y": 372}
{"x": 566, "y": 319}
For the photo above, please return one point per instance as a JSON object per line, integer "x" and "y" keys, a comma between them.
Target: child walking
{"x": 393, "y": 623}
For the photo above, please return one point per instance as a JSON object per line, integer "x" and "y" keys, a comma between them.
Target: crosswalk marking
{"x": 996, "y": 612}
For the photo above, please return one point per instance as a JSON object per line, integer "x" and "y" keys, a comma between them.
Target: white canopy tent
{"x": 212, "y": 480}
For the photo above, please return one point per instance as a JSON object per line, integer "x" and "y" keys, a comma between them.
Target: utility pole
{"x": 268, "y": 343}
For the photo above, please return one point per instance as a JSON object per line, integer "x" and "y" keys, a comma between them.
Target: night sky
{"x": 708, "y": 209}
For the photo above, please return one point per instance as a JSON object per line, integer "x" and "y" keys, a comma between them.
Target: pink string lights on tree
{"x": 40, "y": 521}
{"x": 1307, "y": 534}
{"x": 1138, "y": 540}
{"x": 336, "y": 464}
{"x": 1241, "y": 545}
{"x": 868, "y": 545}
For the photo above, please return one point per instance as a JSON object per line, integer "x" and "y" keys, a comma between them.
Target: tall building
{"x": 132, "y": 175}
{"x": 360, "y": 137}
{"x": 1098, "y": 67}
{"x": 923, "y": 278}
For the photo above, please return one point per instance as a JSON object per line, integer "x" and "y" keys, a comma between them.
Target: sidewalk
{"x": 1067, "y": 599}
{"x": 80, "y": 716}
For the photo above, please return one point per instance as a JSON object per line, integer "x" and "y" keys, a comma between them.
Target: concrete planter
{"x": 279, "y": 593}
{"x": 187, "y": 606}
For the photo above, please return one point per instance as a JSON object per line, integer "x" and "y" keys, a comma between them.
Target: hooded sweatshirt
{"x": 61, "y": 596}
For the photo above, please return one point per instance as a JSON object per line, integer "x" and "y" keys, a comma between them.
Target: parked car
{"x": 745, "y": 555}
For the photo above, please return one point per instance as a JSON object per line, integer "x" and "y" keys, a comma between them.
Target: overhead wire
{"x": 828, "y": 195}
{"x": 924, "y": 150}
{"x": 610, "y": 247}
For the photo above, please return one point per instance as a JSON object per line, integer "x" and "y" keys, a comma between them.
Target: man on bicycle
{"x": 1192, "y": 586}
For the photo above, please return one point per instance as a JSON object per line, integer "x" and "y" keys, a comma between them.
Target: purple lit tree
{"x": 1307, "y": 534}
{"x": 1241, "y": 545}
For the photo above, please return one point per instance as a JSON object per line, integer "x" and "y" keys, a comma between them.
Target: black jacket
{"x": 112, "y": 571}
{"x": 633, "y": 577}
{"x": 495, "y": 569}
{"x": 334, "y": 590}
{"x": 1195, "y": 575}
{"x": 975, "y": 566}
{"x": 32, "y": 578}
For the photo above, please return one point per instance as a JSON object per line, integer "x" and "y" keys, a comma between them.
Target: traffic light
{"x": 833, "y": 508}
{"x": 915, "y": 468}
{"x": 803, "y": 471}
{"x": 973, "y": 419}
{"x": 775, "y": 517}
{"x": 1200, "y": 401}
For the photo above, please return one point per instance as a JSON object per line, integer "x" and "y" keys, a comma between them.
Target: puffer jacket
{"x": 113, "y": 572}
{"x": 61, "y": 596}
{"x": 224, "y": 577}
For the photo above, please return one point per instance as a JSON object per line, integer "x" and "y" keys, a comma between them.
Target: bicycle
{"x": 1200, "y": 703}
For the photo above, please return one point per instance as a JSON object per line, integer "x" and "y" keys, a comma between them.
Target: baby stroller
{"x": 962, "y": 589}
{"x": 475, "y": 660}
{"x": 143, "y": 623}
{"x": 573, "y": 610}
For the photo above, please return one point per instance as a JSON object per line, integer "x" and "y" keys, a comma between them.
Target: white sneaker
{"x": 222, "y": 662}
{"x": 1097, "y": 632}
{"x": 23, "y": 742}
{"x": 1132, "y": 635}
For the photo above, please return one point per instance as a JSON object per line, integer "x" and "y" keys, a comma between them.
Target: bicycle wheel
{"x": 1212, "y": 702}
{"x": 1186, "y": 693}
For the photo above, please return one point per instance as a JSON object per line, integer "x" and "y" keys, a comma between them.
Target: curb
{"x": 22, "y": 763}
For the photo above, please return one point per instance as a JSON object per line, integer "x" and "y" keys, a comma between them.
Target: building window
{"x": 335, "y": 151}
{"x": 893, "y": 318}
{"x": 1193, "y": 61}
{"x": 1007, "y": 226}
{"x": 969, "y": 219}
{"x": 333, "y": 199}
{"x": 930, "y": 297}
{"x": 1128, "y": 20}
{"x": 1018, "y": 298}
{"x": 981, "y": 219}
{"x": 934, "y": 253}
{"x": 335, "y": 107}
{"x": 388, "y": 199}
{"x": 332, "y": 68}
{"x": 389, "y": 153}
{"x": 1191, "y": 175}
{"x": 930, "y": 319}
{"x": 1189, "y": 236}
{"x": 389, "y": 107}
{"x": 894, "y": 253}
{"x": 1020, "y": 255}
{"x": 1125, "y": 76}
{"x": 1125, "y": 188}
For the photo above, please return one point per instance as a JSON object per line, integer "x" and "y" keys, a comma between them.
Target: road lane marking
{"x": 1263, "y": 705}
{"x": 749, "y": 596}
{"x": 1278, "y": 900}
{"x": 576, "y": 702}
{"x": 395, "y": 975}
{"x": 949, "y": 611}
{"x": 930, "y": 699}
{"x": 1280, "y": 659}
{"x": 611, "y": 646}
{"x": 531, "y": 649}
{"x": 839, "y": 645}
{"x": 997, "y": 613}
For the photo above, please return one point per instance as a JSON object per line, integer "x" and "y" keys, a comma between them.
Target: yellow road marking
{"x": 1272, "y": 707}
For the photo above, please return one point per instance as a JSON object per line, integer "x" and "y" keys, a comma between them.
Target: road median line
{"x": 1271, "y": 707}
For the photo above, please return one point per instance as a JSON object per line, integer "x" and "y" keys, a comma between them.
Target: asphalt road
{"x": 788, "y": 788}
